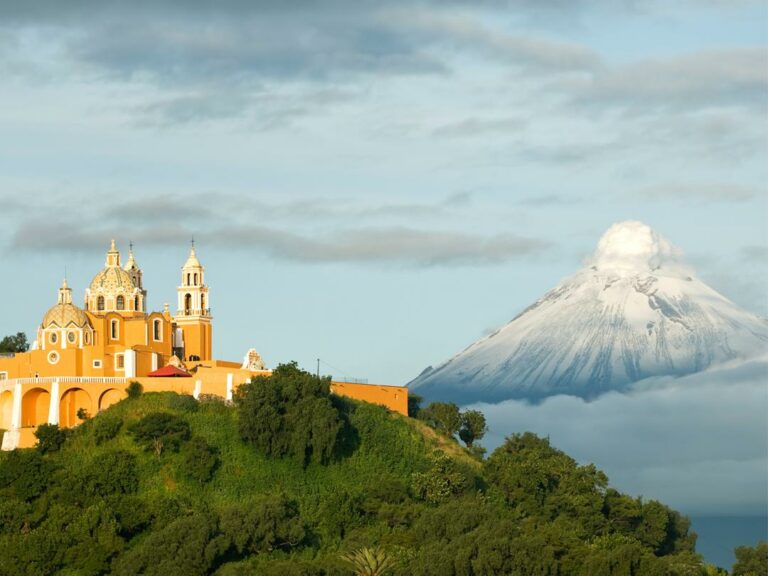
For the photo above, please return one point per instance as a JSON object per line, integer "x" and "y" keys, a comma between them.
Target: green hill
{"x": 162, "y": 484}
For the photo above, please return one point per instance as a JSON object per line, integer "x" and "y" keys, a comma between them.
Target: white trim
{"x": 53, "y": 357}
{"x": 97, "y": 363}
{"x": 130, "y": 363}
{"x": 53, "y": 407}
{"x": 154, "y": 361}
{"x": 198, "y": 389}
{"x": 230, "y": 379}
{"x": 116, "y": 363}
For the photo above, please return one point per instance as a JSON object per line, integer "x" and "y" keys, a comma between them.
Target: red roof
{"x": 170, "y": 372}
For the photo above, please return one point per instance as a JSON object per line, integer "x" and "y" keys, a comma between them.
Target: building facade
{"x": 82, "y": 358}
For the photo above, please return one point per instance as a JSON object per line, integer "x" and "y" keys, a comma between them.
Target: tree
{"x": 50, "y": 437}
{"x": 134, "y": 389}
{"x": 473, "y": 427}
{"x": 443, "y": 416}
{"x": 414, "y": 404}
{"x": 290, "y": 413}
{"x": 751, "y": 560}
{"x": 160, "y": 430}
{"x": 14, "y": 344}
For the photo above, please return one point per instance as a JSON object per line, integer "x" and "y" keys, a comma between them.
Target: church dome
{"x": 112, "y": 279}
{"x": 65, "y": 314}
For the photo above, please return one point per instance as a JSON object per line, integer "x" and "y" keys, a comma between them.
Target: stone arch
{"x": 34, "y": 407}
{"x": 6, "y": 410}
{"x": 109, "y": 397}
{"x": 71, "y": 401}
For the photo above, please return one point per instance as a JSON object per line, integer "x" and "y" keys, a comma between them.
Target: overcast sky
{"x": 377, "y": 184}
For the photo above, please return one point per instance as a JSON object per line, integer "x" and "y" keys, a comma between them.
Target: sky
{"x": 375, "y": 184}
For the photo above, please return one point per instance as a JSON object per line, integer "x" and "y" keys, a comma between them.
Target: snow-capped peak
{"x": 634, "y": 312}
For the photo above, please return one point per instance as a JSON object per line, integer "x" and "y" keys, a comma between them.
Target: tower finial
{"x": 112, "y": 247}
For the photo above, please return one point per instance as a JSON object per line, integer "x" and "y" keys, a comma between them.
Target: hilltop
{"x": 119, "y": 497}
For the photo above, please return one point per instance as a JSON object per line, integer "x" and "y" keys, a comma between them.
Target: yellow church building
{"x": 83, "y": 358}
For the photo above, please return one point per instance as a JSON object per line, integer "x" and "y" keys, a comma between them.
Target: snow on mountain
{"x": 634, "y": 312}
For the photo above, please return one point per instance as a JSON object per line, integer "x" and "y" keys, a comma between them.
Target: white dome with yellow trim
{"x": 112, "y": 279}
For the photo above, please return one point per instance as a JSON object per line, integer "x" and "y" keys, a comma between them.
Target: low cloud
{"x": 698, "y": 443}
{"x": 307, "y": 230}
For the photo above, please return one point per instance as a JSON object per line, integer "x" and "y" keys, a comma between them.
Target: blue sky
{"x": 375, "y": 186}
{"x": 380, "y": 184}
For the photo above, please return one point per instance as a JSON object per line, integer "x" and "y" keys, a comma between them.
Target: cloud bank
{"x": 698, "y": 443}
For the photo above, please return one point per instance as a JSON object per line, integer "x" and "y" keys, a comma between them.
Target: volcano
{"x": 635, "y": 311}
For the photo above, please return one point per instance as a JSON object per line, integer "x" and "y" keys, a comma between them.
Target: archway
{"x": 188, "y": 303}
{"x": 111, "y": 396}
{"x": 34, "y": 407}
{"x": 73, "y": 400}
{"x": 6, "y": 410}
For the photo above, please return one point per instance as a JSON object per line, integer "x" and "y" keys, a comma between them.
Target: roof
{"x": 170, "y": 372}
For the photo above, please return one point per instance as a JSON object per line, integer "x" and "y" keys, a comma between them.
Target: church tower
{"x": 137, "y": 277}
{"x": 193, "y": 317}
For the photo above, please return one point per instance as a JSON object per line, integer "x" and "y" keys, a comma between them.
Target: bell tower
{"x": 193, "y": 316}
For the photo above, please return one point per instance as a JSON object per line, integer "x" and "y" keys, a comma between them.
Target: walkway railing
{"x": 66, "y": 380}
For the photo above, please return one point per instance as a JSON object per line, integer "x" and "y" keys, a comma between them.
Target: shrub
{"x": 106, "y": 427}
{"x": 50, "y": 437}
{"x": 159, "y": 431}
{"x": 199, "y": 460}
{"x": 183, "y": 403}
{"x": 112, "y": 472}
{"x": 263, "y": 526}
{"x": 134, "y": 389}
{"x": 441, "y": 481}
{"x": 25, "y": 473}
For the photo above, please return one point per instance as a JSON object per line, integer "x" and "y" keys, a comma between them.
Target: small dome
{"x": 112, "y": 278}
{"x": 63, "y": 315}
{"x": 192, "y": 261}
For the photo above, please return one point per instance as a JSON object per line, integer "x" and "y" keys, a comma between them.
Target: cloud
{"x": 702, "y": 192}
{"x": 757, "y": 253}
{"x": 298, "y": 231}
{"x": 479, "y": 127}
{"x": 698, "y": 443}
{"x": 726, "y": 77}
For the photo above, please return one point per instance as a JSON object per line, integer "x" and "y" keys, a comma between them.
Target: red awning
{"x": 170, "y": 372}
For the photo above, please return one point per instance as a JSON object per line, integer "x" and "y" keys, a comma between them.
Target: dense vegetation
{"x": 294, "y": 481}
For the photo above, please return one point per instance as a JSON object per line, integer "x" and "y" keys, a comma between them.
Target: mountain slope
{"x": 635, "y": 312}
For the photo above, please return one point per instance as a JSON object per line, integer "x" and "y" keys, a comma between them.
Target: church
{"x": 83, "y": 358}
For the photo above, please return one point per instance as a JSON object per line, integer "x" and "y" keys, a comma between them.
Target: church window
{"x": 157, "y": 333}
{"x": 87, "y": 338}
{"x": 53, "y": 337}
{"x": 188, "y": 303}
{"x": 136, "y": 303}
{"x": 188, "y": 278}
{"x": 97, "y": 363}
{"x": 119, "y": 361}
{"x": 3, "y": 375}
{"x": 100, "y": 303}
{"x": 195, "y": 277}
{"x": 202, "y": 302}
{"x": 114, "y": 329}
{"x": 53, "y": 357}
{"x": 71, "y": 336}
{"x": 121, "y": 303}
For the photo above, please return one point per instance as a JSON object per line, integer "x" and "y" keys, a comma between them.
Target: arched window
{"x": 202, "y": 303}
{"x": 189, "y": 276}
{"x": 195, "y": 278}
{"x": 188, "y": 303}
{"x": 136, "y": 304}
{"x": 114, "y": 329}
{"x": 157, "y": 333}
{"x": 121, "y": 303}
{"x": 100, "y": 303}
